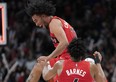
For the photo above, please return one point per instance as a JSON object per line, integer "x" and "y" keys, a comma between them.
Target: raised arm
{"x": 99, "y": 74}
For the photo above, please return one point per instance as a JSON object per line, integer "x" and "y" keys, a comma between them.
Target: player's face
{"x": 37, "y": 19}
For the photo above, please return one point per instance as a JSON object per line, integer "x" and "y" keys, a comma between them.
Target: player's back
{"x": 75, "y": 72}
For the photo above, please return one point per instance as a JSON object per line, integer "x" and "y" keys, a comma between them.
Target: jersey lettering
{"x": 76, "y": 71}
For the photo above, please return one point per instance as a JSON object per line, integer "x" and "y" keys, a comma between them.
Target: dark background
{"x": 93, "y": 20}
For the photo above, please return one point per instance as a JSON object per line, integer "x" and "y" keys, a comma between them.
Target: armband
{"x": 97, "y": 60}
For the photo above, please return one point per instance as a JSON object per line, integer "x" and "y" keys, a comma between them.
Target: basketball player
{"x": 76, "y": 69}
{"x": 42, "y": 14}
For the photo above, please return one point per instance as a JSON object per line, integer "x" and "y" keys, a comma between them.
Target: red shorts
{"x": 61, "y": 57}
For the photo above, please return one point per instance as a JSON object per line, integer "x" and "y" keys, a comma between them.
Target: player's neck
{"x": 50, "y": 18}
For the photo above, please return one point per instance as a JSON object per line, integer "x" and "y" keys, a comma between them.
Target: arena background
{"x": 93, "y": 20}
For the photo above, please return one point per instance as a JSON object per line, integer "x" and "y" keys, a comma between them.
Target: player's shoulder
{"x": 55, "y": 25}
{"x": 55, "y": 21}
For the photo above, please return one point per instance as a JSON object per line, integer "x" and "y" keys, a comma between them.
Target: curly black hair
{"x": 40, "y": 7}
{"x": 76, "y": 48}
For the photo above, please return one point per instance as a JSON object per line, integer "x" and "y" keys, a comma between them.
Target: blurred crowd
{"x": 93, "y": 20}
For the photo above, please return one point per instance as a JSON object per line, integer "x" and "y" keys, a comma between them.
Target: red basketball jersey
{"x": 69, "y": 31}
{"x": 75, "y": 72}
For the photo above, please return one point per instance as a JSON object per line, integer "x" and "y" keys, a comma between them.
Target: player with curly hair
{"x": 42, "y": 13}
{"x": 76, "y": 69}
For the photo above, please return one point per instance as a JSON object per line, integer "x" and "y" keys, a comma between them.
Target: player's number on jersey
{"x": 75, "y": 80}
